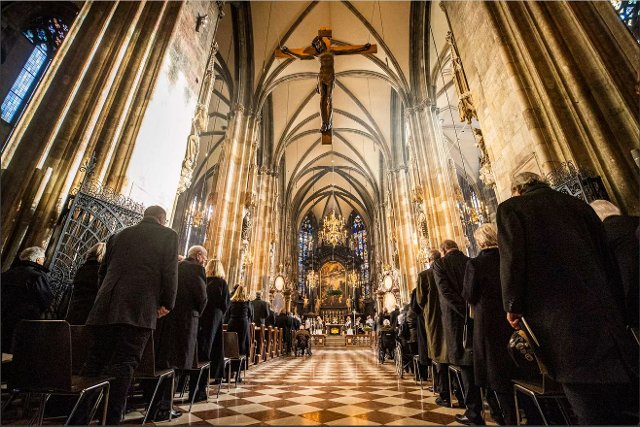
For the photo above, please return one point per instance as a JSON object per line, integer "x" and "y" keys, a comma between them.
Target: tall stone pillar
{"x": 553, "y": 82}
{"x": 438, "y": 191}
{"x": 264, "y": 232}
{"x": 102, "y": 74}
{"x": 223, "y": 235}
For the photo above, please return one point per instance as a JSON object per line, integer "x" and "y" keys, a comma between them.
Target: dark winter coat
{"x": 286, "y": 323}
{"x": 449, "y": 274}
{"x": 176, "y": 337}
{"x": 26, "y": 294}
{"x": 492, "y": 363}
{"x": 138, "y": 275}
{"x": 260, "y": 311}
{"x": 423, "y": 344}
{"x": 240, "y": 316}
{"x": 428, "y": 298}
{"x": 623, "y": 243}
{"x": 85, "y": 289}
{"x": 556, "y": 270}
{"x": 210, "y": 336}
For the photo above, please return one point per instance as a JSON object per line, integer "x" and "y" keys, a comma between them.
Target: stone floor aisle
{"x": 333, "y": 387}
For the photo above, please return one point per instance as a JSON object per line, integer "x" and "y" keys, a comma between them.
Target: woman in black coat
{"x": 623, "y": 244}
{"x": 240, "y": 316}
{"x": 177, "y": 333}
{"x": 493, "y": 367}
{"x": 85, "y": 286}
{"x": 210, "y": 337}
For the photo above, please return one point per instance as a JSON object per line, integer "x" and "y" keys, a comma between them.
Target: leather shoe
{"x": 443, "y": 402}
{"x": 175, "y": 413}
{"x": 462, "y": 419}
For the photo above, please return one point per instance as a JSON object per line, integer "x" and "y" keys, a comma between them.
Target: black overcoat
{"x": 449, "y": 274}
{"x": 286, "y": 323}
{"x": 176, "y": 337}
{"x": 492, "y": 363}
{"x": 240, "y": 316}
{"x": 26, "y": 294}
{"x": 85, "y": 289}
{"x": 138, "y": 275}
{"x": 556, "y": 270}
{"x": 260, "y": 311}
{"x": 428, "y": 298}
{"x": 623, "y": 243}
{"x": 210, "y": 337}
{"x": 423, "y": 346}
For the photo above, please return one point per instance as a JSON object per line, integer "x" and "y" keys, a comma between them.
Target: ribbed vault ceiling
{"x": 346, "y": 175}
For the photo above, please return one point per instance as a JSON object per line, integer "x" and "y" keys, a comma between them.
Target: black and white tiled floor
{"x": 335, "y": 386}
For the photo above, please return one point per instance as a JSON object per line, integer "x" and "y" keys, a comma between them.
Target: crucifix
{"x": 322, "y": 49}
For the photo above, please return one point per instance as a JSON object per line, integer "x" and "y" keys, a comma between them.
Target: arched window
{"x": 359, "y": 234}
{"x": 305, "y": 246}
{"x": 45, "y": 34}
{"x": 629, "y": 11}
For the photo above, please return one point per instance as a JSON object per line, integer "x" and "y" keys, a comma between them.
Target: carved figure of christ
{"x": 322, "y": 49}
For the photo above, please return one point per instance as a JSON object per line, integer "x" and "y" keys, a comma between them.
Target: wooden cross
{"x": 322, "y": 49}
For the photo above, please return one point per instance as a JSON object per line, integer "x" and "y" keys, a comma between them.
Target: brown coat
{"x": 429, "y": 300}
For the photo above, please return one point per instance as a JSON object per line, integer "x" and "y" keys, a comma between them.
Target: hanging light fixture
{"x": 312, "y": 279}
{"x": 333, "y": 230}
{"x": 353, "y": 278}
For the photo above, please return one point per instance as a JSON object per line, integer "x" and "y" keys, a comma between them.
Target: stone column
{"x": 438, "y": 191}
{"x": 84, "y": 100}
{"x": 553, "y": 82}
{"x": 223, "y": 235}
{"x": 264, "y": 232}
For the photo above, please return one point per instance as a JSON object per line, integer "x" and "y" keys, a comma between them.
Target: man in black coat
{"x": 557, "y": 272}
{"x": 284, "y": 322}
{"x": 26, "y": 292}
{"x": 260, "y": 309}
{"x": 449, "y": 274}
{"x": 138, "y": 283}
{"x": 623, "y": 243}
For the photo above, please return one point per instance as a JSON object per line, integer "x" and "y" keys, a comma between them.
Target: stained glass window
{"x": 46, "y": 34}
{"x": 359, "y": 232}
{"x": 305, "y": 246}
{"x": 629, "y": 11}
{"x": 21, "y": 88}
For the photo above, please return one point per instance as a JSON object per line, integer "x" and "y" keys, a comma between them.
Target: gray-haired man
{"x": 26, "y": 292}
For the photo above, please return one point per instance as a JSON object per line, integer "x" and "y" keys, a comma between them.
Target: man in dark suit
{"x": 449, "y": 275}
{"x": 138, "y": 282}
{"x": 26, "y": 292}
{"x": 284, "y": 322}
{"x": 260, "y": 309}
{"x": 557, "y": 272}
{"x": 428, "y": 299}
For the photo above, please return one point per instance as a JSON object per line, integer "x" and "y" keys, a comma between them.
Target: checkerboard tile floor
{"x": 344, "y": 387}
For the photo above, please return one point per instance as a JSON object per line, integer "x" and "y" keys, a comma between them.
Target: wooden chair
{"x": 272, "y": 342}
{"x": 252, "y": 343}
{"x": 269, "y": 340}
{"x": 232, "y": 353}
{"x": 278, "y": 342}
{"x": 147, "y": 372}
{"x": 42, "y": 365}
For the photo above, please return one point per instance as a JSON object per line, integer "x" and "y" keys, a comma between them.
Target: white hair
{"x": 522, "y": 180}
{"x": 195, "y": 250}
{"x": 604, "y": 209}
{"x": 32, "y": 254}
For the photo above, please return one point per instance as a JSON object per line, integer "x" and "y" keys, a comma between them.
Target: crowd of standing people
{"x": 566, "y": 270}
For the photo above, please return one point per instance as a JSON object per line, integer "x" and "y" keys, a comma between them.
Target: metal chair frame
{"x": 535, "y": 396}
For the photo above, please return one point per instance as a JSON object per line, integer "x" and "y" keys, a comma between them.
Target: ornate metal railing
{"x": 92, "y": 213}
{"x": 577, "y": 181}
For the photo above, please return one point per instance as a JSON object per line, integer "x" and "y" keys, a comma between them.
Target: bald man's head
{"x": 157, "y": 213}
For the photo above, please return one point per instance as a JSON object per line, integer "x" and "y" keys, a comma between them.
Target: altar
{"x": 334, "y": 328}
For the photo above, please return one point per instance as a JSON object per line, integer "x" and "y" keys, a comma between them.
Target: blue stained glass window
{"x": 360, "y": 237}
{"x": 305, "y": 246}
{"x": 23, "y": 84}
{"x": 629, "y": 13}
